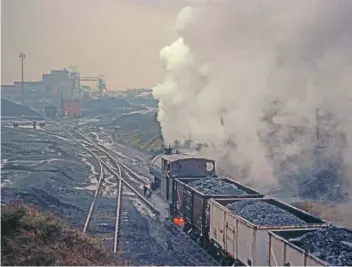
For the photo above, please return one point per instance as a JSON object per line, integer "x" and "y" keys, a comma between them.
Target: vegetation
{"x": 141, "y": 131}
{"x": 30, "y": 237}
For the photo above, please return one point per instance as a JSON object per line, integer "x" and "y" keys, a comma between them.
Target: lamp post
{"x": 22, "y": 56}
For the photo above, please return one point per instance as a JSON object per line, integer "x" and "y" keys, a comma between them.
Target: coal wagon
{"x": 191, "y": 198}
{"x": 330, "y": 246}
{"x": 239, "y": 227}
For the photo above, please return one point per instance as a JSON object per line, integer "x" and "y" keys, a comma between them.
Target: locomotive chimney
{"x": 168, "y": 150}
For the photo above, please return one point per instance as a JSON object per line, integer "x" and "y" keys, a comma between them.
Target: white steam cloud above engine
{"x": 251, "y": 79}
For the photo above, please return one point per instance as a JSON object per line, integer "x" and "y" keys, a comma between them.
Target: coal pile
{"x": 263, "y": 213}
{"x": 10, "y": 108}
{"x": 333, "y": 245}
{"x": 216, "y": 187}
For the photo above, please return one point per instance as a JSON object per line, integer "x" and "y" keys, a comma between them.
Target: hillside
{"x": 30, "y": 237}
{"x": 141, "y": 131}
{"x": 102, "y": 106}
{"x": 12, "y": 109}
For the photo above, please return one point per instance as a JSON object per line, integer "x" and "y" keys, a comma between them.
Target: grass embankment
{"x": 141, "y": 131}
{"x": 9, "y": 108}
{"x": 30, "y": 237}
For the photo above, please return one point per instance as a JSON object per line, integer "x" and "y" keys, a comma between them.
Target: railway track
{"x": 127, "y": 218}
{"x": 137, "y": 160}
{"x": 140, "y": 180}
{"x": 127, "y": 181}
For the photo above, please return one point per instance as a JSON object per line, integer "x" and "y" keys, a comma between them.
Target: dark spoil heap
{"x": 263, "y": 213}
{"x": 333, "y": 245}
{"x": 216, "y": 187}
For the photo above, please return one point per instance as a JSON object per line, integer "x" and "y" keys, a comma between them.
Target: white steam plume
{"x": 247, "y": 78}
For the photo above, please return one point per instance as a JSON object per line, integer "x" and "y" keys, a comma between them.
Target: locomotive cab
{"x": 157, "y": 181}
{"x": 168, "y": 166}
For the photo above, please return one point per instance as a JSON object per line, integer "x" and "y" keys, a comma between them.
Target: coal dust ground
{"x": 54, "y": 174}
{"x": 146, "y": 241}
{"x": 42, "y": 169}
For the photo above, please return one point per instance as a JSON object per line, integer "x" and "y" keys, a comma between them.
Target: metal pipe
{"x": 22, "y": 56}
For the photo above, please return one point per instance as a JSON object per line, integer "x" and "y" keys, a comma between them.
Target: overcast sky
{"x": 119, "y": 39}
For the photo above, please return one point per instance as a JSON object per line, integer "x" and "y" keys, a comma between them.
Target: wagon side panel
{"x": 217, "y": 223}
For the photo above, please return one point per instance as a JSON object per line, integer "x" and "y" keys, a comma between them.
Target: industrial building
{"x": 53, "y": 84}
{"x": 62, "y": 86}
{"x": 50, "y": 85}
{"x": 70, "y": 107}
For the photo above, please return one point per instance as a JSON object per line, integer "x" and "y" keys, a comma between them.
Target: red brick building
{"x": 70, "y": 108}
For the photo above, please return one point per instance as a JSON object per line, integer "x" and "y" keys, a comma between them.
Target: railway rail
{"x": 133, "y": 175}
{"x": 129, "y": 186}
{"x": 227, "y": 254}
{"x": 119, "y": 155}
{"x": 124, "y": 170}
{"x": 117, "y": 171}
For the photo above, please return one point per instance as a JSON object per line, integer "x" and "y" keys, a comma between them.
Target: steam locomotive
{"x": 231, "y": 237}
{"x": 168, "y": 166}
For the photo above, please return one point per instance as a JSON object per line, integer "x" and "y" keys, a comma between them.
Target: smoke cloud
{"x": 266, "y": 88}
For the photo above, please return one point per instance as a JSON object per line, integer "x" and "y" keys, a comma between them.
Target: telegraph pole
{"x": 100, "y": 87}
{"x": 22, "y": 56}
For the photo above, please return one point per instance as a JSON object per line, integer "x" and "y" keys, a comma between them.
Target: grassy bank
{"x": 141, "y": 131}
{"x": 30, "y": 237}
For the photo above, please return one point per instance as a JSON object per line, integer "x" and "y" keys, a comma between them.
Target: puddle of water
{"x": 91, "y": 166}
{"x": 6, "y": 182}
{"x": 49, "y": 160}
{"x": 4, "y": 162}
{"x": 30, "y": 126}
{"x": 91, "y": 187}
{"x": 93, "y": 179}
{"x": 128, "y": 193}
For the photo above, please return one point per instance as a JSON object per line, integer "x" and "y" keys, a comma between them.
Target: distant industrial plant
{"x": 56, "y": 82}
{"x": 64, "y": 86}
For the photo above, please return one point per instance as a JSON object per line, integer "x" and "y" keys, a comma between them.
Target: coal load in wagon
{"x": 264, "y": 214}
{"x": 216, "y": 187}
{"x": 332, "y": 245}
